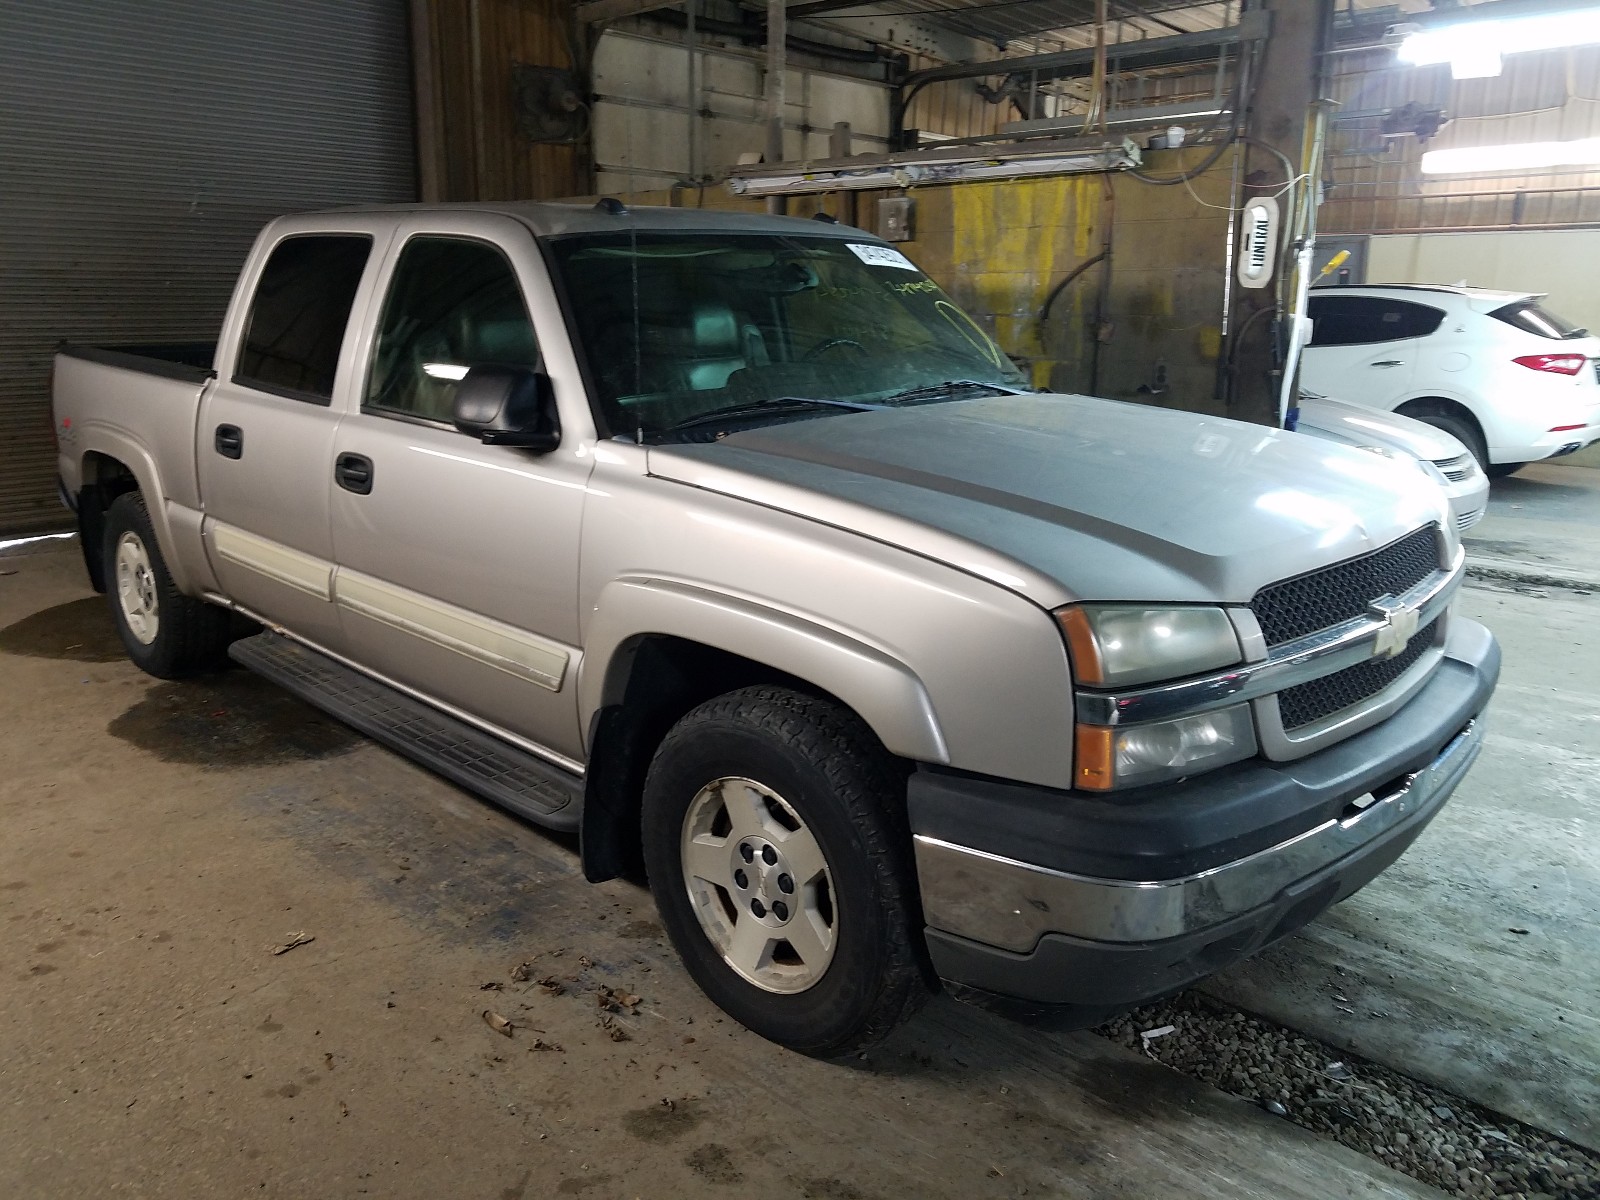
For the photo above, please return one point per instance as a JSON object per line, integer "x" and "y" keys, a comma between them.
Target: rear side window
{"x": 453, "y": 305}
{"x": 1363, "y": 320}
{"x": 1537, "y": 319}
{"x": 299, "y": 314}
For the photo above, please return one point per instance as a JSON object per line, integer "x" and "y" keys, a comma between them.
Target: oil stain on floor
{"x": 78, "y": 631}
{"x": 230, "y": 720}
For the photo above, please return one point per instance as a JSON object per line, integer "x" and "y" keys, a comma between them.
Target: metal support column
{"x": 1283, "y": 160}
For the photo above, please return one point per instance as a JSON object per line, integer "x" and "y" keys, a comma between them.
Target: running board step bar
{"x": 463, "y": 754}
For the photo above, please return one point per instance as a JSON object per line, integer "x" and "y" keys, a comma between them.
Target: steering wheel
{"x": 832, "y": 344}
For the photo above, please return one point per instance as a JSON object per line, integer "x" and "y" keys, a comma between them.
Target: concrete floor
{"x": 160, "y": 839}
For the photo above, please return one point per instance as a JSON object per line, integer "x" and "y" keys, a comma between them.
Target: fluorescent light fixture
{"x": 451, "y": 371}
{"x": 1526, "y": 156}
{"x": 1474, "y": 48}
{"x": 900, "y": 175}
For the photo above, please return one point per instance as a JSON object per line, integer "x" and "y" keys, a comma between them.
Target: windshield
{"x": 679, "y": 326}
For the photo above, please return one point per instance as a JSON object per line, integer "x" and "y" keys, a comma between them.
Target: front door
{"x": 458, "y": 562}
{"x": 266, "y": 432}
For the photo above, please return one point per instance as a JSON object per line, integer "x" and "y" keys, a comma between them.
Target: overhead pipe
{"x": 756, "y": 35}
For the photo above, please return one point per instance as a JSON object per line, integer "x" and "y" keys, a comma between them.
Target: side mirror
{"x": 508, "y": 406}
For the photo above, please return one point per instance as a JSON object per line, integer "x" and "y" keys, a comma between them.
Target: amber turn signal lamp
{"x": 1081, "y": 645}
{"x": 1092, "y": 762}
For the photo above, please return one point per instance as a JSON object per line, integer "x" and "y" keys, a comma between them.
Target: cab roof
{"x": 546, "y": 219}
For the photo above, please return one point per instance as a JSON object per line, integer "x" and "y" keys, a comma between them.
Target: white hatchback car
{"x": 1499, "y": 371}
{"x": 1432, "y": 451}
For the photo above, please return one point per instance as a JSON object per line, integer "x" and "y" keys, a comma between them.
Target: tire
{"x": 1501, "y": 470}
{"x": 167, "y": 634}
{"x": 1463, "y": 430}
{"x": 794, "y": 793}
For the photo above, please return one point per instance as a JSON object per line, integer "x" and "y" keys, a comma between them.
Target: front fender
{"x": 885, "y": 693}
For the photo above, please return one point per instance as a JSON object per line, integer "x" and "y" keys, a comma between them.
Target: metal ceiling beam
{"x": 1128, "y": 56}
{"x": 595, "y": 11}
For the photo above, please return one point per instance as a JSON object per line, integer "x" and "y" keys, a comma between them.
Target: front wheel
{"x": 166, "y": 633}
{"x": 776, "y": 842}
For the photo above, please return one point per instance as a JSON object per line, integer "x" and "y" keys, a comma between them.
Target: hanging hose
{"x": 1044, "y": 309}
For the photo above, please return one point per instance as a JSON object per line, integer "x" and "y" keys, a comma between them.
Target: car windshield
{"x": 1532, "y": 317}
{"x": 762, "y": 327}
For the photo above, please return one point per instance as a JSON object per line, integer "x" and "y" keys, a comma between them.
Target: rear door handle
{"x": 1389, "y": 362}
{"x": 353, "y": 472}
{"x": 229, "y": 441}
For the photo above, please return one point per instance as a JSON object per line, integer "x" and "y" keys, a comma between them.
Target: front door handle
{"x": 353, "y": 472}
{"x": 1389, "y": 362}
{"x": 229, "y": 441}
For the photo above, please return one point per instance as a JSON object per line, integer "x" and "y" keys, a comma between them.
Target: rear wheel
{"x": 1501, "y": 470}
{"x": 166, "y": 633}
{"x": 775, "y": 837}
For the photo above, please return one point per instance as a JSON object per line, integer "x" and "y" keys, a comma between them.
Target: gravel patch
{"x": 1427, "y": 1133}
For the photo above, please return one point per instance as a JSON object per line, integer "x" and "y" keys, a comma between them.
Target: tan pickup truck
{"x": 732, "y": 543}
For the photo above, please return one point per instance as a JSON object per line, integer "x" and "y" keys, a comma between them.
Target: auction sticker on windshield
{"x": 882, "y": 256}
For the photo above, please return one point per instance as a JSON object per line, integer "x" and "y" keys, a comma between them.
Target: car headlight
{"x": 1386, "y": 451}
{"x": 1123, "y": 645}
{"x": 1117, "y": 645}
{"x": 1108, "y": 756}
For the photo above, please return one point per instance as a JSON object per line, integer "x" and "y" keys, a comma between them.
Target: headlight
{"x": 1119, "y": 757}
{"x": 1117, "y": 645}
{"x": 1386, "y": 451}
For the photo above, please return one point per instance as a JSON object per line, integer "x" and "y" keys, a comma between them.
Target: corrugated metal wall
{"x": 1379, "y": 186}
{"x": 142, "y": 146}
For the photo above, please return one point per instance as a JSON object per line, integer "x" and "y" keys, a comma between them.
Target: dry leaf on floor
{"x": 541, "y": 1044}
{"x": 552, "y": 985}
{"x": 522, "y": 972}
{"x": 497, "y": 1023}
{"x": 615, "y": 1032}
{"x": 492, "y": 986}
{"x": 295, "y": 939}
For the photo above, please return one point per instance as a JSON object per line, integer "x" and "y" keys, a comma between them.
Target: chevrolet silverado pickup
{"x": 730, "y": 542}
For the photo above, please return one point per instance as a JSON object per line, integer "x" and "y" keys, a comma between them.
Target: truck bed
{"x": 189, "y": 361}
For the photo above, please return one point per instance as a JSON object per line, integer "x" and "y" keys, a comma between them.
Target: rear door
{"x": 264, "y": 441}
{"x": 1364, "y": 348}
{"x": 458, "y": 561}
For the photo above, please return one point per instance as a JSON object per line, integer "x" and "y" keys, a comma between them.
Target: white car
{"x": 1436, "y": 453}
{"x": 1497, "y": 370}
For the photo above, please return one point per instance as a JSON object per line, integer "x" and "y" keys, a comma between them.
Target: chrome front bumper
{"x": 1009, "y": 904}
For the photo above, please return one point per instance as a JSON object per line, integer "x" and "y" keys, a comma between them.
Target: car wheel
{"x": 166, "y": 633}
{"x": 776, "y": 842}
{"x": 1501, "y": 470}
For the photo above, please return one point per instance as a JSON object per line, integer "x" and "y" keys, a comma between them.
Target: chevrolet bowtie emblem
{"x": 1399, "y": 625}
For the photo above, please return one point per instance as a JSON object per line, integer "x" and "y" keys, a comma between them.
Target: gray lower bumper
{"x": 1008, "y": 904}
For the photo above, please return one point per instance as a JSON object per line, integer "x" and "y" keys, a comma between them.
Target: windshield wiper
{"x": 759, "y": 408}
{"x": 952, "y": 385}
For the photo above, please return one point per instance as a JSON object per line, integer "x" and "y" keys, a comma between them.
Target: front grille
{"x": 1455, "y": 469}
{"x": 1296, "y": 607}
{"x": 1308, "y": 702}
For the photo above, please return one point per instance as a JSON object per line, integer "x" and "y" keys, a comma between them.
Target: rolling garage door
{"x": 142, "y": 146}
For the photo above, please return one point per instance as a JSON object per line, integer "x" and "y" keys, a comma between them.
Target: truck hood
{"x": 1066, "y": 498}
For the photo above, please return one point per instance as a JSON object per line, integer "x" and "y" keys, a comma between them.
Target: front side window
{"x": 1363, "y": 320}
{"x": 678, "y": 327}
{"x": 453, "y": 304}
{"x": 299, "y": 315}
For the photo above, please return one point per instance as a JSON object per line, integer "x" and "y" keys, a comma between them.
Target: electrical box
{"x": 897, "y": 218}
